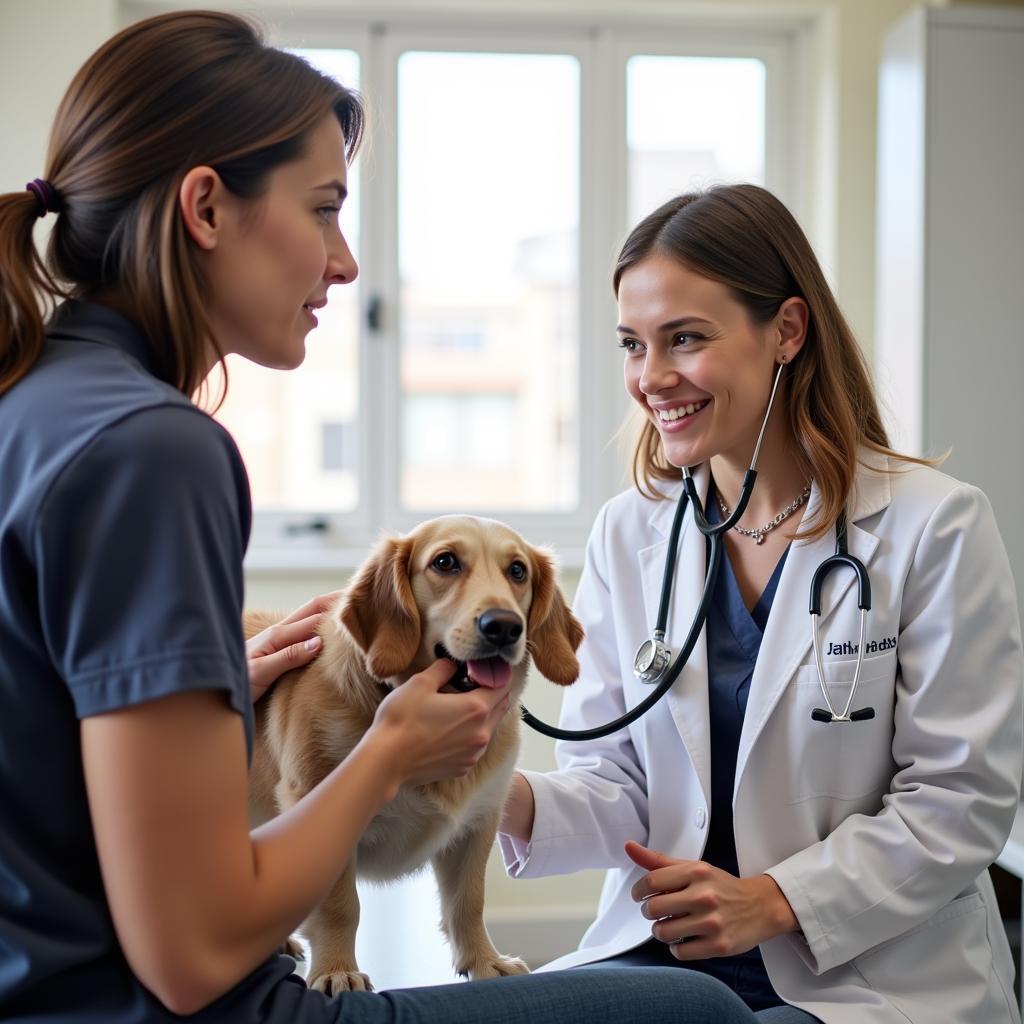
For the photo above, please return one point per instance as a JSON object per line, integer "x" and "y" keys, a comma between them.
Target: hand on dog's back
{"x": 435, "y": 735}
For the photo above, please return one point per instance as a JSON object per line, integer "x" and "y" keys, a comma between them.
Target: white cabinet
{"x": 949, "y": 327}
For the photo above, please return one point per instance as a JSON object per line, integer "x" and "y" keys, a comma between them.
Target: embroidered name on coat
{"x": 872, "y": 647}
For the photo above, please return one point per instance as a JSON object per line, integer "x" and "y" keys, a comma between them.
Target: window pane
{"x": 297, "y": 431}
{"x": 488, "y": 255}
{"x": 692, "y": 122}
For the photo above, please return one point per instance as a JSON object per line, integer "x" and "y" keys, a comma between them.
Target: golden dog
{"x": 460, "y": 587}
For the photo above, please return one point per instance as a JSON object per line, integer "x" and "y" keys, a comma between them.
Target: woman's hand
{"x": 287, "y": 644}
{"x": 432, "y": 735}
{"x": 702, "y": 911}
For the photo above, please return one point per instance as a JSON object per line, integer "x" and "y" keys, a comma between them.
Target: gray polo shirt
{"x": 124, "y": 516}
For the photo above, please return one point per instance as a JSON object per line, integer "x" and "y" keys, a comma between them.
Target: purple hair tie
{"x": 45, "y": 195}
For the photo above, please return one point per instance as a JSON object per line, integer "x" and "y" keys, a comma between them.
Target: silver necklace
{"x": 759, "y": 533}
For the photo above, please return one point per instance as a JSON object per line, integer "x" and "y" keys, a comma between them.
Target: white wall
{"x": 41, "y": 47}
{"x": 951, "y": 248}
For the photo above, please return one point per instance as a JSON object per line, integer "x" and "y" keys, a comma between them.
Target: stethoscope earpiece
{"x": 841, "y": 558}
{"x": 821, "y": 715}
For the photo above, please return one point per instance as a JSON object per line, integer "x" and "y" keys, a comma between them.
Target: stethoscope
{"x": 653, "y": 663}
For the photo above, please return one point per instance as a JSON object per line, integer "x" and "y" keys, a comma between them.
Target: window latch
{"x": 315, "y": 525}
{"x": 373, "y": 313}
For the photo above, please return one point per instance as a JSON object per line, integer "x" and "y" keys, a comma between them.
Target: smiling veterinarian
{"x": 835, "y": 871}
{"x": 196, "y": 176}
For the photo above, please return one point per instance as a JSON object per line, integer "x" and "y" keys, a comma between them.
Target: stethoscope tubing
{"x": 558, "y": 733}
{"x": 714, "y": 533}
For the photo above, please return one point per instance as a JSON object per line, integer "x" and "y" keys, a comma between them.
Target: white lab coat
{"x": 878, "y": 832}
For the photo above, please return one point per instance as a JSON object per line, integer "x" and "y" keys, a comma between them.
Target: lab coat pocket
{"x": 842, "y": 760}
{"x": 946, "y": 961}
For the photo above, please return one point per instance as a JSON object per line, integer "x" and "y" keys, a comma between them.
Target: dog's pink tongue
{"x": 493, "y": 673}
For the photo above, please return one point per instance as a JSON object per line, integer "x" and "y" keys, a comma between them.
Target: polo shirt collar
{"x": 74, "y": 320}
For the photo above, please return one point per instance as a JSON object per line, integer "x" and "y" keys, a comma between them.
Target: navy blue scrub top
{"x": 733, "y": 641}
{"x": 124, "y": 517}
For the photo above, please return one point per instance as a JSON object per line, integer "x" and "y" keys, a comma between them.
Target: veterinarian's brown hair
{"x": 745, "y": 238}
{"x": 166, "y": 94}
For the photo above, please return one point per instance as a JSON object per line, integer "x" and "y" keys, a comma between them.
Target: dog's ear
{"x": 554, "y": 632}
{"x": 380, "y": 612}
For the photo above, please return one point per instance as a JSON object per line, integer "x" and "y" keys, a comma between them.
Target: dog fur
{"x": 383, "y": 629}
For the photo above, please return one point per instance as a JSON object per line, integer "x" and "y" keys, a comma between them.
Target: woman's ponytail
{"x": 26, "y": 287}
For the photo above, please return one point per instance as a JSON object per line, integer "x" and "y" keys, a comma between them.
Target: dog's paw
{"x": 331, "y": 983}
{"x": 293, "y": 948}
{"x": 497, "y": 966}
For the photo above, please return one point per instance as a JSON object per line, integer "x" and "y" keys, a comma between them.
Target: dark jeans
{"x": 733, "y": 974}
{"x": 596, "y": 995}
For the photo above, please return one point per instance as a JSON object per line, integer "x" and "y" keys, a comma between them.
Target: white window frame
{"x": 602, "y": 40}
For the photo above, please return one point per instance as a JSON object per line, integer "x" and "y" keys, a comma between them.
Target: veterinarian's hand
{"x": 716, "y": 913}
{"x": 434, "y": 735}
{"x": 287, "y": 644}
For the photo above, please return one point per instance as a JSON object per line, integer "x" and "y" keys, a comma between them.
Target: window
{"x": 488, "y": 236}
{"x": 473, "y": 367}
{"x": 692, "y": 122}
{"x": 338, "y": 447}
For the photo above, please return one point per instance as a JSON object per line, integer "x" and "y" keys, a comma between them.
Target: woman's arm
{"x": 198, "y": 902}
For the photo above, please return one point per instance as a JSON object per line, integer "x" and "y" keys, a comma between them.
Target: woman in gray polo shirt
{"x": 196, "y": 176}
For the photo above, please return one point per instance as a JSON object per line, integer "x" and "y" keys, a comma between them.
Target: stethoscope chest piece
{"x": 652, "y": 660}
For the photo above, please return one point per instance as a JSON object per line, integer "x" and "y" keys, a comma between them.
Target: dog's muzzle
{"x": 460, "y": 680}
{"x": 493, "y": 672}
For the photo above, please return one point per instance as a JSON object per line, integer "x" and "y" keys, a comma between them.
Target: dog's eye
{"x": 446, "y": 562}
{"x": 518, "y": 572}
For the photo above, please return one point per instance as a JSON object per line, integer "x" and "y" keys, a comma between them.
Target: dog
{"x": 465, "y": 588}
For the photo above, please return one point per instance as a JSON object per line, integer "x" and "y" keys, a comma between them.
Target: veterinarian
{"x": 821, "y": 870}
{"x": 195, "y": 178}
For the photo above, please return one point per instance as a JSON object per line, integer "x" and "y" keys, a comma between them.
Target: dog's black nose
{"x": 500, "y": 627}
